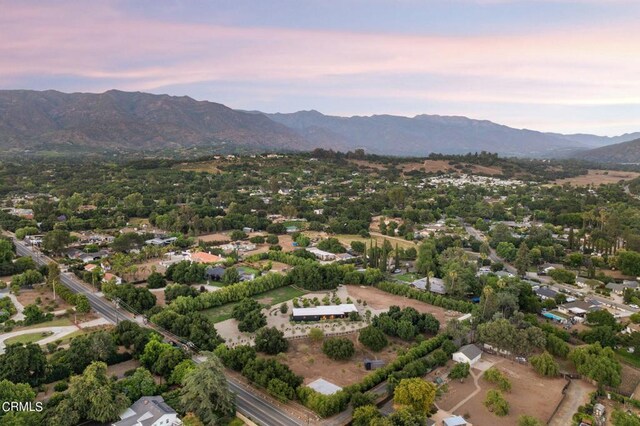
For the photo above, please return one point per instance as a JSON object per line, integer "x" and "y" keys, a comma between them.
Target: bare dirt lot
{"x": 306, "y": 359}
{"x": 379, "y": 300}
{"x": 630, "y": 379}
{"x": 598, "y": 177}
{"x": 217, "y": 237}
{"x": 530, "y": 394}
{"x": 28, "y": 297}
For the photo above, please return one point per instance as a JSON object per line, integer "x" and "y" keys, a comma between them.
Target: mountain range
{"x": 33, "y": 121}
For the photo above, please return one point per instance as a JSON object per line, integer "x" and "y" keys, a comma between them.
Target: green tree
{"x": 156, "y": 280}
{"x": 496, "y": 403}
{"x": 373, "y": 338}
{"x": 460, "y": 371}
{"x": 597, "y": 363}
{"x": 56, "y": 240}
{"x": 415, "y": 393}
{"x": 230, "y": 276}
{"x": 316, "y": 334}
{"x": 139, "y": 384}
{"x": 506, "y": 250}
{"x": 545, "y": 365}
{"x": 23, "y": 364}
{"x": 363, "y": 416}
{"x": 271, "y": 341}
{"x": 82, "y": 304}
{"x": 95, "y": 396}
{"x": 426, "y": 262}
{"x": 205, "y": 391}
{"x": 338, "y": 348}
{"x": 523, "y": 260}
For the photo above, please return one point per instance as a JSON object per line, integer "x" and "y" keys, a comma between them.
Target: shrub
{"x": 373, "y": 338}
{"x": 496, "y": 403}
{"x": 495, "y": 376}
{"x": 338, "y": 348}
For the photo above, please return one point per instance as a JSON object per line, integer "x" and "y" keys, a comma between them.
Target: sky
{"x": 570, "y": 66}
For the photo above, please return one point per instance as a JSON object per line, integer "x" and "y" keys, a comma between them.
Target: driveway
{"x": 577, "y": 394}
{"x": 58, "y": 332}
{"x": 19, "y": 316}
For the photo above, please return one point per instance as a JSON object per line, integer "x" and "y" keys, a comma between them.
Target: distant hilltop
{"x": 51, "y": 121}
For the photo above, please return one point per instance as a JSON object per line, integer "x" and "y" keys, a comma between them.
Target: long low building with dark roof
{"x": 319, "y": 313}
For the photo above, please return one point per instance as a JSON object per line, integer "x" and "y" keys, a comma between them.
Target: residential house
{"x": 237, "y": 246}
{"x": 545, "y": 293}
{"x": 214, "y": 273}
{"x": 203, "y": 257}
{"x": 325, "y": 256}
{"x": 578, "y": 309}
{"x": 149, "y": 411}
{"x": 620, "y": 288}
{"x": 436, "y": 285}
{"x": 161, "y": 241}
{"x": 468, "y": 353}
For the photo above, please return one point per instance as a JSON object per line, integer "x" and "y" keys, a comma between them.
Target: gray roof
{"x": 470, "y": 351}
{"x": 436, "y": 285}
{"x": 149, "y": 407}
{"x": 546, "y": 292}
{"x": 324, "y": 387}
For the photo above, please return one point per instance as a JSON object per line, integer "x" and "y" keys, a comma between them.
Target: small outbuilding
{"x": 468, "y": 353}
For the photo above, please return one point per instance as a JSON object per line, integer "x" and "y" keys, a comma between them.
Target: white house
{"x": 468, "y": 353}
{"x": 149, "y": 411}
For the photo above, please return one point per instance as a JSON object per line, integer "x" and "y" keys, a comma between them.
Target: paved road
{"x": 492, "y": 253}
{"x": 260, "y": 410}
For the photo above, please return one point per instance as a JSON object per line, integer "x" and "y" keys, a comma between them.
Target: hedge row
{"x": 228, "y": 294}
{"x": 425, "y": 296}
{"x": 282, "y": 257}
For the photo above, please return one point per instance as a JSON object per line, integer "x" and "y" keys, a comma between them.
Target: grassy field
{"x": 628, "y": 358}
{"x": 26, "y": 338}
{"x": 406, "y": 277}
{"x": 267, "y": 299}
{"x": 56, "y": 322}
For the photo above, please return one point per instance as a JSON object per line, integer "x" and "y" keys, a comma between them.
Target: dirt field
{"x": 598, "y": 177}
{"x": 159, "y": 293}
{"x": 630, "y": 379}
{"x": 28, "y": 297}
{"x": 530, "y": 394}
{"x": 434, "y": 166}
{"x": 379, "y": 300}
{"x": 306, "y": 359}
{"x": 217, "y": 237}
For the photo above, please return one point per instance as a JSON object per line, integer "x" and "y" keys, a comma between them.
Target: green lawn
{"x": 628, "y": 358}
{"x": 56, "y": 322}
{"x": 26, "y": 338}
{"x": 406, "y": 277}
{"x": 269, "y": 298}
